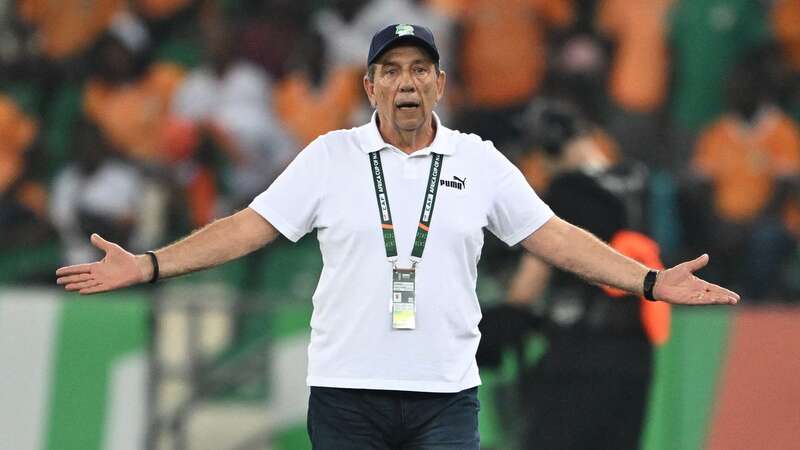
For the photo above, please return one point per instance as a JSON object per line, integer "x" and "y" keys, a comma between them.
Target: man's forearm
{"x": 217, "y": 243}
{"x": 575, "y": 250}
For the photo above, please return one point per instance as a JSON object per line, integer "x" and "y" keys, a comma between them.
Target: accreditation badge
{"x": 404, "y": 307}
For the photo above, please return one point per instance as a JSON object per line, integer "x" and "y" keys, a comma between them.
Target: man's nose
{"x": 406, "y": 82}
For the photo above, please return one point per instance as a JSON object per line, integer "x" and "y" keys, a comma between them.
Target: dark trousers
{"x": 362, "y": 419}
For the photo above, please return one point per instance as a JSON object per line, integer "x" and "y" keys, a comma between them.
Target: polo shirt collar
{"x": 370, "y": 139}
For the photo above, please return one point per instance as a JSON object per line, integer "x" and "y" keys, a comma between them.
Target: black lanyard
{"x": 382, "y": 196}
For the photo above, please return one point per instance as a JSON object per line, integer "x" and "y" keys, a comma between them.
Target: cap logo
{"x": 404, "y": 30}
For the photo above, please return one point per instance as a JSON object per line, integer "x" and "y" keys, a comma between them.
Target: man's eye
{"x": 420, "y": 71}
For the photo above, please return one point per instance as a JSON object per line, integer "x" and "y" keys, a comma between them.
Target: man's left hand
{"x": 678, "y": 285}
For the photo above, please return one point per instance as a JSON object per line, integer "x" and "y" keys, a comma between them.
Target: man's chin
{"x": 409, "y": 124}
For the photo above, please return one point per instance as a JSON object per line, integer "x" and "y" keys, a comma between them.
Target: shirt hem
{"x": 393, "y": 385}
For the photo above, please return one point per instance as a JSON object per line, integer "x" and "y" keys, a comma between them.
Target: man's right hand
{"x": 118, "y": 269}
{"x": 217, "y": 243}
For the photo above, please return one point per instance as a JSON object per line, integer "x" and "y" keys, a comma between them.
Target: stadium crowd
{"x": 143, "y": 119}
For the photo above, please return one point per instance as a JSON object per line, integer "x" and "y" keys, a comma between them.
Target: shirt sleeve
{"x": 515, "y": 211}
{"x": 291, "y": 202}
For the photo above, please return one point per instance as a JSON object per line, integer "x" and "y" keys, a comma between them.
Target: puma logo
{"x": 456, "y": 183}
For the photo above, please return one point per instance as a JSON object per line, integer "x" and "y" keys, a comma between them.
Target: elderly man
{"x": 399, "y": 206}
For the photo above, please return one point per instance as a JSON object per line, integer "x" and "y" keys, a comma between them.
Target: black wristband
{"x": 154, "y": 260}
{"x": 648, "y": 285}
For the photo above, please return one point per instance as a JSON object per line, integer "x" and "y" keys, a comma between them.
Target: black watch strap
{"x": 648, "y": 284}
{"x": 154, "y": 261}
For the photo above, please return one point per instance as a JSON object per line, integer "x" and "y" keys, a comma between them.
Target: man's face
{"x": 405, "y": 88}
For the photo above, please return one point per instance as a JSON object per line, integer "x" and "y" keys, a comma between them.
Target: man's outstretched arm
{"x": 217, "y": 243}
{"x": 570, "y": 248}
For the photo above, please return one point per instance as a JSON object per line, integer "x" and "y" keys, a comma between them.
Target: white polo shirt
{"x": 329, "y": 188}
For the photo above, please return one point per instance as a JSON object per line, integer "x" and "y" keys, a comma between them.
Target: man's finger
{"x": 82, "y": 285}
{"x": 72, "y": 270}
{"x": 93, "y": 290}
{"x": 720, "y": 291}
{"x": 726, "y": 300}
{"x": 100, "y": 243}
{"x": 727, "y": 293}
{"x": 722, "y": 295}
{"x": 74, "y": 278}
{"x": 697, "y": 263}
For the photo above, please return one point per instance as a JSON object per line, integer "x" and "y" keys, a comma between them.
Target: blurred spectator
{"x": 322, "y": 89}
{"x": 640, "y": 66}
{"x": 337, "y": 24}
{"x": 597, "y": 149}
{"x": 67, "y": 27}
{"x": 345, "y": 28}
{"x": 228, "y": 99}
{"x": 590, "y": 388}
{"x": 578, "y": 72}
{"x": 127, "y": 97}
{"x": 639, "y": 74}
{"x": 501, "y": 48}
{"x": 273, "y": 32}
{"x": 23, "y": 201}
{"x": 749, "y": 158}
{"x": 557, "y": 139}
{"x": 20, "y": 42}
{"x": 99, "y": 192}
{"x": 311, "y": 100}
{"x": 707, "y": 38}
{"x": 159, "y": 9}
{"x": 18, "y": 132}
{"x": 785, "y": 17}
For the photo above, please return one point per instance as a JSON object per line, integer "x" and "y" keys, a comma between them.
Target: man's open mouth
{"x": 407, "y": 106}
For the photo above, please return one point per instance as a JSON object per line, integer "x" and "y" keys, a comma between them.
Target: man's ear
{"x": 369, "y": 88}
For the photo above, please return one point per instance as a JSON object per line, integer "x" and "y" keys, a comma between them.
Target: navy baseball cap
{"x": 402, "y": 33}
